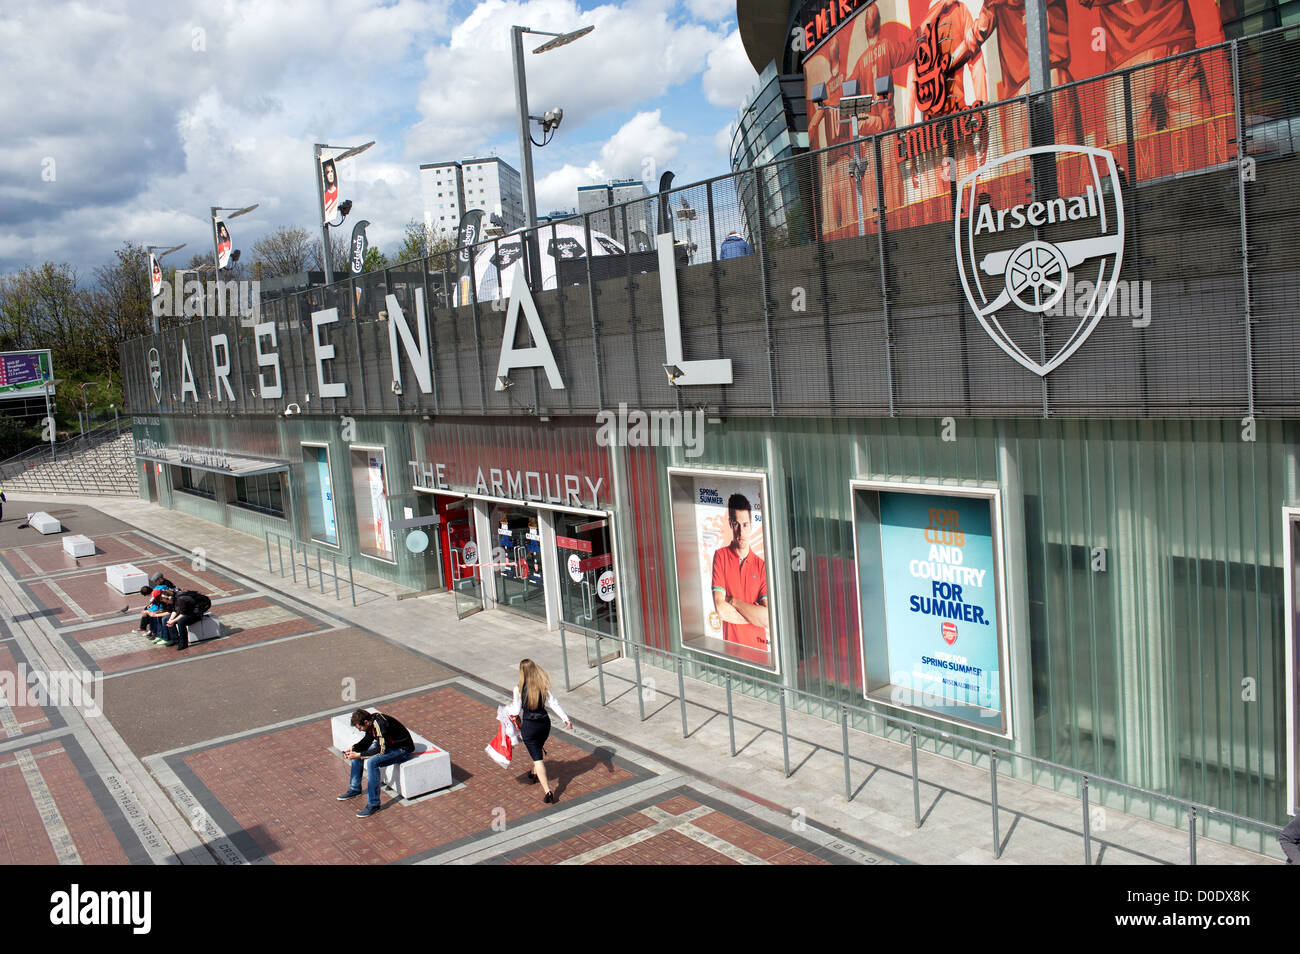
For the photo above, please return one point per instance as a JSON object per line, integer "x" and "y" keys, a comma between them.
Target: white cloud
{"x": 729, "y": 76}
{"x": 711, "y": 11}
{"x": 722, "y": 140}
{"x": 640, "y": 149}
{"x": 636, "y": 54}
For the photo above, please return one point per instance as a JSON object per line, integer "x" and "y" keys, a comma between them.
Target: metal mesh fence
{"x": 832, "y": 283}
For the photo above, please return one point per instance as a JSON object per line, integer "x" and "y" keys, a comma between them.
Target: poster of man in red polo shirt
{"x": 721, "y": 567}
{"x": 740, "y": 581}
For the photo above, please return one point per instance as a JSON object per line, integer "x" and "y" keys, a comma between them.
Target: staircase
{"x": 100, "y": 463}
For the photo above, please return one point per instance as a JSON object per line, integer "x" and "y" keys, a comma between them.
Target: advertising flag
{"x": 467, "y": 233}
{"x": 155, "y": 276}
{"x": 224, "y": 244}
{"x": 329, "y": 187}
{"x": 357, "y": 250}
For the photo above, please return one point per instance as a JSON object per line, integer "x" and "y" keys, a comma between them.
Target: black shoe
{"x": 349, "y": 794}
{"x": 367, "y": 811}
{"x": 550, "y": 798}
{"x": 532, "y": 778}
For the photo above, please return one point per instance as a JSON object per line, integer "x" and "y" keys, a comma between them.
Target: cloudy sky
{"x": 125, "y": 120}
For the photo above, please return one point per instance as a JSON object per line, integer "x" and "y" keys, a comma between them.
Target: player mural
{"x": 926, "y": 62}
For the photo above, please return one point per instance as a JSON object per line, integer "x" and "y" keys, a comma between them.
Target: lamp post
{"x": 348, "y": 152}
{"x": 549, "y": 122}
{"x": 86, "y": 404}
{"x": 851, "y": 100}
{"x": 688, "y": 215}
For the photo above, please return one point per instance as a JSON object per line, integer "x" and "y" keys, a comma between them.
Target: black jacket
{"x": 388, "y": 732}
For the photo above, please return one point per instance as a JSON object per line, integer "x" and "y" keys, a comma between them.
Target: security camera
{"x": 552, "y": 118}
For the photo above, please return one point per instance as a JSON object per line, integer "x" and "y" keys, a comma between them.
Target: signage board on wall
{"x": 931, "y": 601}
{"x": 720, "y": 549}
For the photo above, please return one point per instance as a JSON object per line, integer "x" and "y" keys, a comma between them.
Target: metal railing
{"x": 1087, "y": 780}
{"x": 296, "y": 549}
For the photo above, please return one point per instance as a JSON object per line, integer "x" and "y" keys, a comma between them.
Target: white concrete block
{"x": 79, "y": 545}
{"x": 428, "y": 771}
{"x": 209, "y": 627}
{"x": 43, "y": 522}
{"x": 126, "y": 578}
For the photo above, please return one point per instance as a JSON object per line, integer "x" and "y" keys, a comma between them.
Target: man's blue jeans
{"x": 374, "y": 765}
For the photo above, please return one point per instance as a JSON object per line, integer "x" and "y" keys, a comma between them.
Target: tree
{"x": 420, "y": 241}
{"x": 339, "y": 246}
{"x": 286, "y": 251}
{"x": 374, "y": 260}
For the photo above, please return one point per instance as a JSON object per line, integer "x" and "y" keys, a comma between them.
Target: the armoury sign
{"x": 1016, "y": 262}
{"x": 416, "y": 347}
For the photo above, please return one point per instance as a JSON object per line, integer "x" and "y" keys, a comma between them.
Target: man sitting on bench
{"x": 386, "y": 742}
{"x": 188, "y": 609}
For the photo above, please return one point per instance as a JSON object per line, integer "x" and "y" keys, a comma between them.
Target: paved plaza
{"x": 222, "y": 754}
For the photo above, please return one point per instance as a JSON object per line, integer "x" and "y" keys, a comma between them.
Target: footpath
{"x": 221, "y": 754}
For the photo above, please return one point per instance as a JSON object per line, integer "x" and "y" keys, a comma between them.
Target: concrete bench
{"x": 43, "y": 522}
{"x": 427, "y": 771}
{"x": 209, "y": 627}
{"x": 126, "y": 578}
{"x": 78, "y": 545}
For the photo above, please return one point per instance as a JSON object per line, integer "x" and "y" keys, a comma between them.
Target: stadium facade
{"x": 1009, "y": 420}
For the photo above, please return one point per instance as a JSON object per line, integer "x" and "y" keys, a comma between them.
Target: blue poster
{"x": 941, "y": 606}
{"x": 327, "y": 499}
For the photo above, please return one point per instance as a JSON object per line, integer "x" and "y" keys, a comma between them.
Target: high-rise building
{"x": 613, "y": 196}
{"x": 449, "y": 189}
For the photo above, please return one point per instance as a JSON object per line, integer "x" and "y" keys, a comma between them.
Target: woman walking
{"x": 531, "y": 700}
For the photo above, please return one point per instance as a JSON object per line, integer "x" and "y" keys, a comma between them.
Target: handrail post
{"x": 1087, "y": 826}
{"x": 993, "y": 780}
{"x": 293, "y": 559}
{"x": 320, "y": 574}
{"x": 279, "y": 552}
{"x": 844, "y": 736}
{"x": 564, "y": 654}
{"x": 640, "y": 692}
{"x": 731, "y": 721}
{"x": 1191, "y": 833}
{"x": 334, "y": 569}
{"x": 351, "y": 582}
{"x": 916, "y": 783}
{"x": 267, "y": 535}
{"x": 681, "y": 695}
{"x": 600, "y": 669}
{"x": 785, "y": 735}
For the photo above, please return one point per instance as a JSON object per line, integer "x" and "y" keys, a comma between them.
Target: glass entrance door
{"x": 461, "y": 565}
{"x": 517, "y": 559}
{"x": 588, "y": 594}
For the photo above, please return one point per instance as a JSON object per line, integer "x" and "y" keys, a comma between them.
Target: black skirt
{"x": 535, "y": 732}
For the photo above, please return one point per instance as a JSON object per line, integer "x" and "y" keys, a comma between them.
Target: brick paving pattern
{"x": 51, "y": 816}
{"x": 676, "y": 831}
{"x": 41, "y": 559}
{"x": 281, "y": 786}
{"x": 17, "y": 719}
{"x": 83, "y": 597}
{"x": 120, "y": 647}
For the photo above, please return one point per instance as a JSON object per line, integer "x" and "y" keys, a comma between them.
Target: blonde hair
{"x": 534, "y": 684}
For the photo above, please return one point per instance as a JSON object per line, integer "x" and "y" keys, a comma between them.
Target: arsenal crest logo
{"x": 1017, "y": 260}
{"x": 950, "y": 633}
